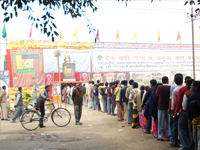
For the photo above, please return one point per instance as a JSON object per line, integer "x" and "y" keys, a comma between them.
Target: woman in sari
{"x": 133, "y": 92}
{"x": 138, "y": 101}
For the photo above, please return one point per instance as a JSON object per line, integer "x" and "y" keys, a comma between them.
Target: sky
{"x": 143, "y": 17}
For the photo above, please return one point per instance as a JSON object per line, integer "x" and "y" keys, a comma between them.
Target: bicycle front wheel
{"x": 61, "y": 117}
{"x": 30, "y": 120}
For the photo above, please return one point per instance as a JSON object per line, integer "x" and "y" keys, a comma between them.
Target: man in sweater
{"x": 77, "y": 97}
{"x": 124, "y": 100}
{"x": 163, "y": 93}
{"x": 130, "y": 102}
{"x": 18, "y": 104}
{"x": 3, "y": 103}
{"x": 40, "y": 103}
{"x": 178, "y": 81}
{"x": 145, "y": 101}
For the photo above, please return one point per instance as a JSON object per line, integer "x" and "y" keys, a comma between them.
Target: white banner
{"x": 144, "y": 60}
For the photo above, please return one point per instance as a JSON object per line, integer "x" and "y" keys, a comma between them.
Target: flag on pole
{"x": 179, "y": 36}
{"x": 76, "y": 32}
{"x": 60, "y": 35}
{"x": 30, "y": 34}
{"x": 4, "y": 34}
{"x": 117, "y": 36}
{"x": 158, "y": 36}
{"x": 97, "y": 35}
{"x": 134, "y": 36}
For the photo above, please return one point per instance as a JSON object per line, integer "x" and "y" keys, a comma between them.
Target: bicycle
{"x": 31, "y": 118}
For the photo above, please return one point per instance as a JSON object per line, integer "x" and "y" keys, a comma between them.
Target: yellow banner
{"x": 28, "y": 90}
{"x": 41, "y": 44}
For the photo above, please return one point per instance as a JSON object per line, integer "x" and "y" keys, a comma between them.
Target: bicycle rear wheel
{"x": 61, "y": 117}
{"x": 30, "y": 120}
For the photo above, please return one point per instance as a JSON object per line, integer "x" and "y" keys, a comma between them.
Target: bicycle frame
{"x": 51, "y": 109}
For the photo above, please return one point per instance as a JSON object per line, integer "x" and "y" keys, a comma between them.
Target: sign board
{"x": 69, "y": 72}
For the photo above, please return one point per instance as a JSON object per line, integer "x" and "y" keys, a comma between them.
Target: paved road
{"x": 98, "y": 132}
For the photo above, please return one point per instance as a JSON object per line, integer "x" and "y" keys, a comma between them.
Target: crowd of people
{"x": 168, "y": 112}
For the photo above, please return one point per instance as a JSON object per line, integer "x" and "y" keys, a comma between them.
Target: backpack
{"x": 103, "y": 92}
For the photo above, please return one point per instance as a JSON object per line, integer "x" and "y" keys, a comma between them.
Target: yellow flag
{"x": 76, "y": 32}
{"x": 134, "y": 36}
{"x": 117, "y": 36}
{"x": 60, "y": 35}
{"x": 159, "y": 36}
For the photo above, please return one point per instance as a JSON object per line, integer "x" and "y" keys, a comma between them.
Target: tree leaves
{"x": 45, "y": 23}
{"x": 192, "y": 2}
{"x": 186, "y": 3}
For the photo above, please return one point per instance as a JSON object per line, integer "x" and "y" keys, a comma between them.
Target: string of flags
{"x": 4, "y": 34}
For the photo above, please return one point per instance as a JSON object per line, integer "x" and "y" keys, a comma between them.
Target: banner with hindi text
{"x": 144, "y": 60}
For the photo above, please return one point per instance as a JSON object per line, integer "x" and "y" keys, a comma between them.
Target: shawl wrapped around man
{"x": 151, "y": 108}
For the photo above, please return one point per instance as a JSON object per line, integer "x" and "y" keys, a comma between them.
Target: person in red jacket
{"x": 183, "y": 129}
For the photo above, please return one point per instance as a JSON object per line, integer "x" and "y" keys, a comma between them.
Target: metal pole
{"x": 193, "y": 56}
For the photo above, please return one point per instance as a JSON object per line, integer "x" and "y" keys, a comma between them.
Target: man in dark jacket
{"x": 124, "y": 100}
{"x": 96, "y": 93}
{"x": 195, "y": 96}
{"x": 77, "y": 97}
{"x": 104, "y": 97}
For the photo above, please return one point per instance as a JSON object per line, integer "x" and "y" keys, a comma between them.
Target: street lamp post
{"x": 192, "y": 18}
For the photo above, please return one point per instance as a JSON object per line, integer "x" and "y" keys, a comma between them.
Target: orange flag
{"x": 179, "y": 36}
{"x": 159, "y": 36}
{"x": 117, "y": 36}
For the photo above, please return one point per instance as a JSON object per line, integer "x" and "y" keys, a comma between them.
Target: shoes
{"x": 79, "y": 124}
{"x": 183, "y": 148}
{"x": 42, "y": 126}
{"x": 174, "y": 145}
{"x": 146, "y": 132}
{"x": 2, "y": 119}
{"x": 160, "y": 139}
{"x": 12, "y": 121}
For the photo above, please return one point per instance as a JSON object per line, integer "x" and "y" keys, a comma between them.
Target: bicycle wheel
{"x": 61, "y": 117}
{"x": 30, "y": 120}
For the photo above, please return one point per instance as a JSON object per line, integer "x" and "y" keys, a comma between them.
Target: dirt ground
{"x": 98, "y": 132}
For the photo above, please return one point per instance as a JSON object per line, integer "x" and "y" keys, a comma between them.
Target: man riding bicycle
{"x": 40, "y": 103}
